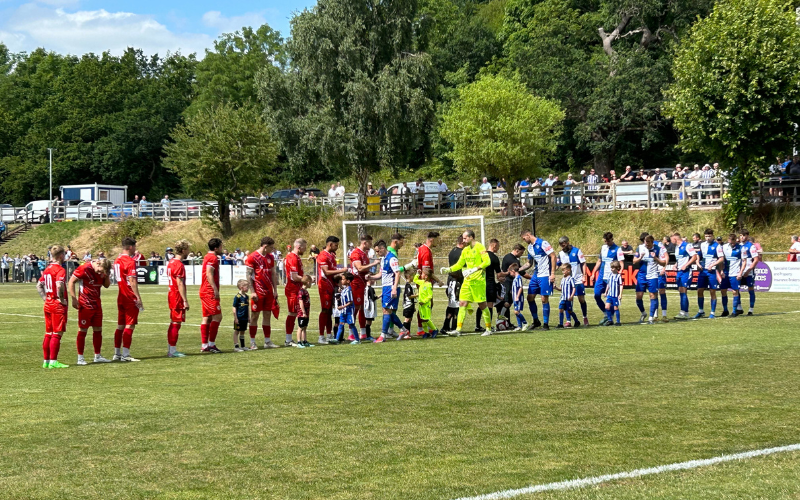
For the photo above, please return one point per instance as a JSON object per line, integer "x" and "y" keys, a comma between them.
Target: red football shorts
{"x": 90, "y": 317}
{"x": 358, "y": 286}
{"x": 211, "y": 306}
{"x": 263, "y": 302}
{"x": 55, "y": 321}
{"x": 292, "y": 305}
{"x": 326, "y": 294}
{"x": 177, "y": 315}
{"x": 127, "y": 314}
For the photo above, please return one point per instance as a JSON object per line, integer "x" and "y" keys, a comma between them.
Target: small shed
{"x": 95, "y": 192}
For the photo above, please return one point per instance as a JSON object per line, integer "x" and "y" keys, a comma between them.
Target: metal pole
{"x": 50, "y": 199}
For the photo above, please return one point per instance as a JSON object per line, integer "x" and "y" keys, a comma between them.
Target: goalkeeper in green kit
{"x": 474, "y": 259}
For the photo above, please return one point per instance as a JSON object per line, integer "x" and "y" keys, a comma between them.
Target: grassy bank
{"x": 771, "y": 228}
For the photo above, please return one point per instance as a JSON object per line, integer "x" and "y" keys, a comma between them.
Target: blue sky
{"x": 80, "y": 26}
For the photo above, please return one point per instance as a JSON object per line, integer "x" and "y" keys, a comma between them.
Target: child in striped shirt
{"x": 518, "y": 303}
{"x": 567, "y": 294}
{"x": 613, "y": 295}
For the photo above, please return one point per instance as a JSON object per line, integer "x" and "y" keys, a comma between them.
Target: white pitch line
{"x": 591, "y": 481}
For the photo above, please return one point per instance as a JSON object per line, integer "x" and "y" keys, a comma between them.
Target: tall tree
{"x": 228, "y": 73}
{"x": 496, "y": 126}
{"x": 223, "y": 152}
{"x": 736, "y": 95}
{"x": 606, "y": 61}
{"x": 361, "y": 93}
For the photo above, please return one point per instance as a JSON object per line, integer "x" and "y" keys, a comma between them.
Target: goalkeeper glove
{"x": 411, "y": 265}
{"x": 445, "y": 270}
{"x": 467, "y": 272}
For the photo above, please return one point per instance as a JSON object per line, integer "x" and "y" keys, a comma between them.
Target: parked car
{"x": 93, "y": 210}
{"x": 429, "y": 201}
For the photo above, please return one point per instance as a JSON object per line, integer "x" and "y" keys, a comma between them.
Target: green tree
{"x": 107, "y": 116}
{"x": 358, "y": 95}
{"x": 736, "y": 95}
{"x": 609, "y": 82}
{"x": 223, "y": 152}
{"x": 496, "y": 126}
{"x": 227, "y": 73}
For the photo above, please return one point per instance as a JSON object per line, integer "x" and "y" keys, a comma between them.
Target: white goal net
{"x": 415, "y": 231}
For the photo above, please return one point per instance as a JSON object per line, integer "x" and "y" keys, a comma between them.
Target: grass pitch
{"x": 420, "y": 419}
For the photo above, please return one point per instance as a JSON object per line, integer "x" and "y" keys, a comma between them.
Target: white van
{"x": 430, "y": 200}
{"x": 35, "y": 211}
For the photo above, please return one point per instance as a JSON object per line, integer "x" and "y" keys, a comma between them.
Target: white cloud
{"x": 215, "y": 19}
{"x": 31, "y": 26}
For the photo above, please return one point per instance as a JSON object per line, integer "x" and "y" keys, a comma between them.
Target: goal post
{"x": 350, "y": 228}
{"x": 505, "y": 229}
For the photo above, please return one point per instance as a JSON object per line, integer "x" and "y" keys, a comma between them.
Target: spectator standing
{"x": 371, "y": 191}
{"x": 313, "y": 253}
{"x": 793, "y": 250}
{"x": 568, "y": 183}
{"x": 383, "y": 192}
{"x": 339, "y": 189}
{"x": 143, "y": 206}
{"x": 5, "y": 263}
{"x": 592, "y": 181}
{"x": 627, "y": 176}
{"x": 239, "y": 255}
{"x": 87, "y": 256}
{"x": 165, "y": 205}
{"x": 332, "y": 191}
{"x": 19, "y": 270}
{"x": 525, "y": 185}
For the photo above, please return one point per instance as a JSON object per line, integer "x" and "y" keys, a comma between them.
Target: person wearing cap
{"x": 239, "y": 256}
{"x": 371, "y": 191}
{"x": 169, "y": 254}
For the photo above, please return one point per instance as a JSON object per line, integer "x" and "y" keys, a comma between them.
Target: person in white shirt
{"x": 486, "y": 187}
{"x": 239, "y": 256}
{"x": 794, "y": 250}
{"x": 442, "y": 186}
{"x": 332, "y": 191}
{"x": 339, "y": 189}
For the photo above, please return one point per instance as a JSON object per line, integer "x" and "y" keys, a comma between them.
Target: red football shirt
{"x": 262, "y": 271}
{"x": 52, "y": 276}
{"x": 360, "y": 256}
{"x": 210, "y": 260}
{"x": 425, "y": 258}
{"x": 325, "y": 258}
{"x": 125, "y": 267}
{"x": 292, "y": 264}
{"x": 91, "y": 282}
{"x": 175, "y": 269}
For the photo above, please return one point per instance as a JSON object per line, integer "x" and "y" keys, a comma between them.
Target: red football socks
{"x": 127, "y": 338}
{"x": 117, "y": 338}
{"x": 267, "y": 331}
{"x": 204, "y": 333}
{"x": 290, "y": 323}
{"x": 172, "y": 334}
{"x": 55, "y": 345}
{"x": 46, "y": 347}
{"x": 253, "y": 331}
{"x": 80, "y": 342}
{"x": 97, "y": 340}
{"x": 213, "y": 328}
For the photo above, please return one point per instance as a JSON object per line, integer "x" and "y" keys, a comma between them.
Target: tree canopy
{"x": 357, "y": 96}
{"x": 222, "y": 152}
{"x": 496, "y": 126}
{"x": 736, "y": 95}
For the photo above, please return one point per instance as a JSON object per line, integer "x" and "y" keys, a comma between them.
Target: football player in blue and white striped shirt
{"x": 613, "y": 294}
{"x": 652, "y": 256}
{"x": 568, "y": 289}
{"x": 733, "y": 270}
{"x": 711, "y": 257}
{"x": 347, "y": 310}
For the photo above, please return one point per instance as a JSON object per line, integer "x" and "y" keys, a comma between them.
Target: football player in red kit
{"x": 90, "y": 277}
{"x": 424, "y": 261}
{"x": 176, "y": 298}
{"x": 52, "y": 288}
{"x": 360, "y": 267}
{"x": 293, "y": 265}
{"x": 129, "y": 302}
{"x": 263, "y": 290}
{"x": 326, "y": 270}
{"x": 209, "y": 297}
